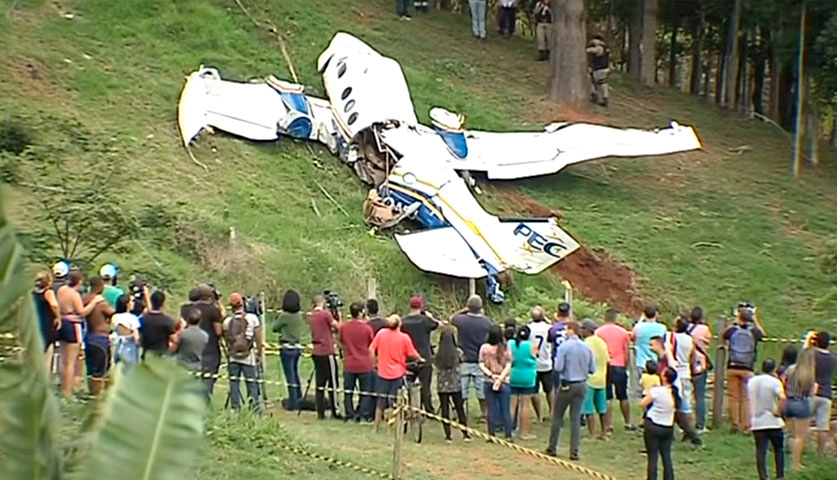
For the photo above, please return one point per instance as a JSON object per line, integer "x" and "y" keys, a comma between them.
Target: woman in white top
{"x": 658, "y": 433}
{"x": 766, "y": 394}
{"x": 126, "y": 328}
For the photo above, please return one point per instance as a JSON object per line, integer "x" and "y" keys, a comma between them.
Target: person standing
{"x": 289, "y": 328}
{"x": 661, "y": 404}
{"x": 373, "y": 317}
{"x": 70, "y": 335}
{"x": 574, "y": 363}
{"x": 539, "y": 329}
{"x": 557, "y": 335}
{"x": 495, "y": 362}
{"x": 684, "y": 353}
{"x": 392, "y": 348}
{"x": 191, "y": 342}
{"x": 355, "y": 337}
{"x": 599, "y": 68}
{"x": 49, "y": 319}
{"x": 402, "y": 9}
{"x": 543, "y": 28}
{"x": 508, "y": 17}
{"x": 212, "y": 322}
{"x": 478, "y": 12}
{"x": 618, "y": 340}
{"x": 419, "y": 326}
{"x": 767, "y": 394}
{"x": 742, "y": 339}
{"x": 523, "y": 379}
{"x": 157, "y": 330}
{"x": 596, "y": 400}
{"x": 126, "y": 326}
{"x": 702, "y": 336}
{"x": 821, "y": 404}
{"x": 97, "y": 346}
{"x": 472, "y": 330}
{"x": 800, "y": 386}
{"x": 111, "y": 292}
{"x": 323, "y": 326}
{"x": 646, "y": 328}
{"x": 448, "y": 382}
{"x": 242, "y": 335}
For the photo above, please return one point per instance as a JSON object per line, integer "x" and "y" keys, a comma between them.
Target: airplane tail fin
{"x": 535, "y": 245}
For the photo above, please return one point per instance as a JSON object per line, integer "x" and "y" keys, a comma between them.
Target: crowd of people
{"x": 520, "y": 371}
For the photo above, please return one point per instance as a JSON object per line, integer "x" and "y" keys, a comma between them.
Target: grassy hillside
{"x": 708, "y": 227}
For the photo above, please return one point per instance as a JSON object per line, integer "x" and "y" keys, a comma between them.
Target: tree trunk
{"x": 743, "y": 81}
{"x": 648, "y": 64}
{"x": 706, "y": 77}
{"x": 719, "y": 77}
{"x": 697, "y": 54}
{"x": 635, "y": 34}
{"x": 800, "y": 93}
{"x": 775, "y": 70}
{"x": 759, "y": 73}
{"x": 672, "y": 55}
{"x": 568, "y": 82}
{"x": 787, "y": 93}
{"x": 833, "y": 138}
{"x": 731, "y": 63}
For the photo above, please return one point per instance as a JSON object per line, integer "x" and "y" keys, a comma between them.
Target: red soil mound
{"x": 601, "y": 279}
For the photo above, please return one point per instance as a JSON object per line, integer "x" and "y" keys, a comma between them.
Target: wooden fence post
{"x": 400, "y": 406}
{"x": 263, "y": 335}
{"x": 633, "y": 381}
{"x": 472, "y": 287}
{"x": 372, "y": 288}
{"x": 718, "y": 385}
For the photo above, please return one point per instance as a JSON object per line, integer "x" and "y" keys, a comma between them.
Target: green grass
{"x": 117, "y": 68}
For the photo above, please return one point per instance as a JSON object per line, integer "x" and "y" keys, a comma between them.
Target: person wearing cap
{"x": 596, "y": 401}
{"x": 742, "y": 339}
{"x": 60, "y": 270}
{"x": 472, "y": 328}
{"x": 212, "y": 318}
{"x": 243, "y": 363}
{"x": 419, "y": 325}
{"x": 574, "y": 363}
{"x": 112, "y": 292}
{"x": 644, "y": 330}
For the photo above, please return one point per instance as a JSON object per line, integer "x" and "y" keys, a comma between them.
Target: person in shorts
{"x": 618, "y": 340}
{"x": 821, "y": 403}
{"x": 393, "y": 348}
{"x": 522, "y": 379}
{"x": 596, "y": 401}
{"x": 539, "y": 329}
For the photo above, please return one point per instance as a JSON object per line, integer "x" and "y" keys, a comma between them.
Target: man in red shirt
{"x": 323, "y": 327}
{"x": 393, "y": 348}
{"x": 618, "y": 340}
{"x": 355, "y": 337}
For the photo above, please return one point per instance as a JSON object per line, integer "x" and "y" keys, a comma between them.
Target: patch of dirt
{"x": 601, "y": 279}
{"x": 523, "y": 204}
{"x": 32, "y": 79}
{"x": 545, "y": 112}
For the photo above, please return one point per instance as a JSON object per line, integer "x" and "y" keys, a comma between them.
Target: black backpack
{"x": 237, "y": 341}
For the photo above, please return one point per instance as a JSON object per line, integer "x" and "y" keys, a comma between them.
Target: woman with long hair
{"x": 126, "y": 325}
{"x": 289, "y": 326}
{"x": 661, "y": 403}
{"x": 448, "y": 380}
{"x": 789, "y": 356}
{"x": 800, "y": 387}
{"x": 523, "y": 379}
{"x": 48, "y": 314}
{"x": 495, "y": 363}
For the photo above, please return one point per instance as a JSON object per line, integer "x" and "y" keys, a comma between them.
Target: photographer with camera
{"x": 323, "y": 325}
{"x": 242, "y": 335}
{"x": 212, "y": 315}
{"x": 741, "y": 339}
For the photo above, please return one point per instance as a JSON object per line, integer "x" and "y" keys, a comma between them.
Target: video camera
{"x": 253, "y": 304}
{"x": 333, "y": 303}
{"x": 745, "y": 311}
{"x": 137, "y": 288}
{"x": 215, "y": 292}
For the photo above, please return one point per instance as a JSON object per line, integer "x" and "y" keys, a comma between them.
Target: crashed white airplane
{"x": 369, "y": 121}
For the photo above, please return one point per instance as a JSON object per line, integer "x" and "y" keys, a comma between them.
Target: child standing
{"x": 543, "y": 28}
{"x": 448, "y": 381}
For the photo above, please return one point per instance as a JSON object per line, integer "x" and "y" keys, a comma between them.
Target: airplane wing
{"x": 537, "y": 244}
{"x": 256, "y": 111}
{"x": 511, "y": 155}
{"x": 442, "y": 251}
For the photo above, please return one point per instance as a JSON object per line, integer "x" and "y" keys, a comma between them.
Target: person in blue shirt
{"x": 645, "y": 329}
{"x": 574, "y": 363}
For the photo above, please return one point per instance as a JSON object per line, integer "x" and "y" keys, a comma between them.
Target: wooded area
{"x": 762, "y": 59}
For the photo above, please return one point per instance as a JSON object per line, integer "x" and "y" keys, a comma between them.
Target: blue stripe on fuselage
{"x": 405, "y": 196}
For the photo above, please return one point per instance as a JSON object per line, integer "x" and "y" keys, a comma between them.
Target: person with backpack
{"x": 242, "y": 336}
{"x": 741, "y": 339}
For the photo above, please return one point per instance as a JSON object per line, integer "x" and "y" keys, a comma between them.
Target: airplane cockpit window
{"x": 352, "y": 118}
{"x": 346, "y": 92}
{"x": 341, "y": 70}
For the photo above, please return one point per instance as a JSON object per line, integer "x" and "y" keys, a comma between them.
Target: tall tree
{"x": 697, "y": 50}
{"x": 731, "y": 64}
{"x": 635, "y": 42}
{"x": 648, "y": 63}
{"x": 800, "y": 92}
{"x": 568, "y": 83}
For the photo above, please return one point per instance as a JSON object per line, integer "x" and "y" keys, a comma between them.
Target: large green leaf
{"x": 28, "y": 410}
{"x": 152, "y": 427}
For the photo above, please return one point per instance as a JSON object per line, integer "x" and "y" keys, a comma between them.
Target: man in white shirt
{"x": 539, "y": 329}
{"x": 766, "y": 395}
{"x": 242, "y": 335}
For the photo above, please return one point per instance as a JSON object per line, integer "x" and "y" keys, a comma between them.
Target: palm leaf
{"x": 152, "y": 427}
{"x": 28, "y": 411}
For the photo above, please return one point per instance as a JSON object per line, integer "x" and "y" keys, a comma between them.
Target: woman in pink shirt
{"x": 495, "y": 363}
{"x": 700, "y": 332}
{"x": 618, "y": 340}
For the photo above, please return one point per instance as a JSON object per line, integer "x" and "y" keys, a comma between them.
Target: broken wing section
{"x": 442, "y": 251}
{"x": 256, "y": 111}
{"x": 537, "y": 244}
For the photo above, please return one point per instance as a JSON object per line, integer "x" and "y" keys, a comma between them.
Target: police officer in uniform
{"x": 599, "y": 67}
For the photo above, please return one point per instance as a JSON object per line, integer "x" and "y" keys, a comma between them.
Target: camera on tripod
{"x": 333, "y": 303}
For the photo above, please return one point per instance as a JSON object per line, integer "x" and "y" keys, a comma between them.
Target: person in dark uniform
{"x": 599, "y": 68}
